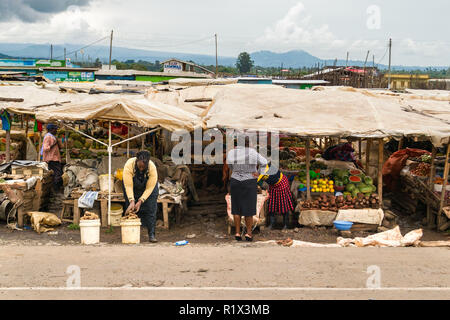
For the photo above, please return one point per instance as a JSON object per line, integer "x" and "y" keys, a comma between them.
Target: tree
{"x": 244, "y": 63}
{"x": 98, "y": 63}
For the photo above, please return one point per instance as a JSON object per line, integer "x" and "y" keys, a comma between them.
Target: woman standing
{"x": 140, "y": 180}
{"x": 243, "y": 162}
{"x": 280, "y": 198}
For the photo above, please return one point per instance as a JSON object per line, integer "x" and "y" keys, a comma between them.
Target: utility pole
{"x": 373, "y": 68}
{"x": 318, "y": 70}
{"x": 364, "y": 69}
{"x": 64, "y": 54}
{"x": 281, "y": 70}
{"x": 110, "y": 49}
{"x": 215, "y": 35}
{"x": 51, "y": 52}
{"x": 346, "y": 61}
{"x": 389, "y": 72}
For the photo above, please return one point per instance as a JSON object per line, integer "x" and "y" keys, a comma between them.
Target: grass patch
{"x": 73, "y": 226}
{"x": 109, "y": 230}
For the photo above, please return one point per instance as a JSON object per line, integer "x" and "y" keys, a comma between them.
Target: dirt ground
{"x": 205, "y": 223}
{"x": 207, "y": 230}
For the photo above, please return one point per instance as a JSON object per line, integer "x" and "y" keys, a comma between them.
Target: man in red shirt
{"x": 50, "y": 154}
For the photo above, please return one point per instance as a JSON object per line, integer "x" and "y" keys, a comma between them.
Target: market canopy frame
{"x": 140, "y": 111}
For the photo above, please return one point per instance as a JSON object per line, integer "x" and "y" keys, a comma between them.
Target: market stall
{"x": 89, "y": 129}
{"x": 27, "y": 186}
{"x": 138, "y": 112}
{"x": 368, "y": 117}
{"x": 421, "y": 189}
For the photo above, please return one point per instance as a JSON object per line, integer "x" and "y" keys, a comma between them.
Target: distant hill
{"x": 4, "y": 56}
{"x": 290, "y": 59}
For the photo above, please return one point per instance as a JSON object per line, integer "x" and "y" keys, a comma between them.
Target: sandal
{"x": 248, "y": 238}
{"x": 238, "y": 238}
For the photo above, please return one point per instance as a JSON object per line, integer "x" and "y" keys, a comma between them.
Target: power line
{"x": 387, "y": 49}
{"x": 170, "y": 46}
{"x": 107, "y": 37}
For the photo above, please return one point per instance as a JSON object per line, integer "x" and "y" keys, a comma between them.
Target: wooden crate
{"x": 28, "y": 171}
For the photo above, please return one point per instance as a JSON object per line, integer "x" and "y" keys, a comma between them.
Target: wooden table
{"x": 167, "y": 206}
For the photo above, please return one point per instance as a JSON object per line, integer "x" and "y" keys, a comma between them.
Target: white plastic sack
{"x": 389, "y": 238}
{"x": 368, "y": 216}
{"x": 314, "y": 218}
{"x": 31, "y": 151}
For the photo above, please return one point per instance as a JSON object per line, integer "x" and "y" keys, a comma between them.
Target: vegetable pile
{"x": 322, "y": 185}
{"x": 89, "y": 216}
{"x": 354, "y": 181}
{"x": 422, "y": 169}
{"x": 332, "y": 203}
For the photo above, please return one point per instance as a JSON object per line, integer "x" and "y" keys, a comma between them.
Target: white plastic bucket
{"x": 438, "y": 187}
{"x": 103, "y": 182}
{"x": 116, "y": 214}
{"x": 90, "y": 231}
{"x": 131, "y": 231}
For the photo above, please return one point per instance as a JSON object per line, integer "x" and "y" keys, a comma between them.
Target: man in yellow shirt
{"x": 140, "y": 180}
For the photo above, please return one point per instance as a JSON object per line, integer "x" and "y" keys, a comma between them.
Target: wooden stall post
{"x": 154, "y": 144}
{"x": 440, "y": 217}
{"x": 21, "y": 121}
{"x": 400, "y": 144}
{"x": 430, "y": 216}
{"x": 40, "y": 145}
{"x": 380, "y": 169}
{"x": 308, "y": 158}
{"x": 128, "y": 142}
{"x": 359, "y": 149}
{"x": 66, "y": 146}
{"x": 26, "y": 126}
{"x": 368, "y": 147}
{"x": 8, "y": 145}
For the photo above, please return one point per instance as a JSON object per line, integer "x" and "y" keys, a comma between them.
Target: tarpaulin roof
{"x": 36, "y": 96}
{"x": 181, "y": 98}
{"x": 334, "y": 111}
{"x": 430, "y": 103}
{"x": 33, "y": 95}
{"x": 145, "y": 113}
{"x": 330, "y": 111}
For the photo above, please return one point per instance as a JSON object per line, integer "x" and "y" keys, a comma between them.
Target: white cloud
{"x": 324, "y": 28}
{"x": 296, "y": 29}
{"x": 75, "y": 25}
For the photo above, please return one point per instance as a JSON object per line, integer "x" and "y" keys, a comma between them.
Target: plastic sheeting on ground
{"x": 389, "y": 238}
{"x": 304, "y": 244}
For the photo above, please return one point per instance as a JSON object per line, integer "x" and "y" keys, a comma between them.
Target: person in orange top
{"x": 51, "y": 154}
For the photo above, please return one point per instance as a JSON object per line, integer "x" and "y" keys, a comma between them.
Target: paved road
{"x": 237, "y": 271}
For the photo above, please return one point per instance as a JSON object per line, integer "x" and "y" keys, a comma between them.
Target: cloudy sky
{"x": 324, "y": 28}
